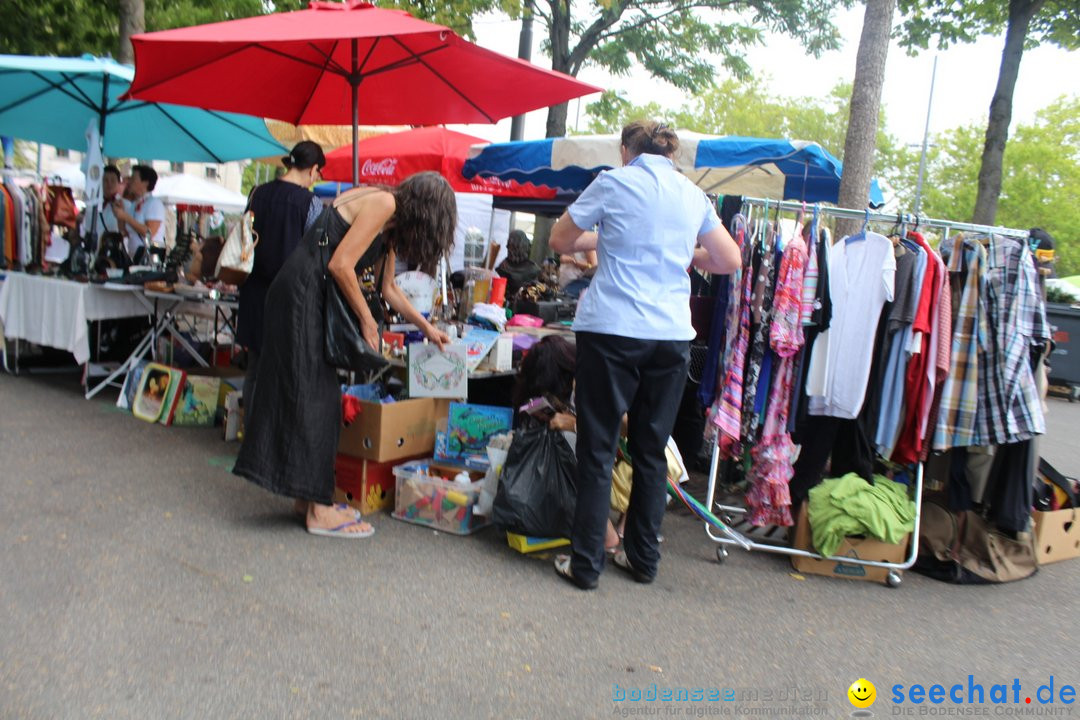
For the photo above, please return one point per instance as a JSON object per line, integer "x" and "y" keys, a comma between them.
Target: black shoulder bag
{"x": 343, "y": 343}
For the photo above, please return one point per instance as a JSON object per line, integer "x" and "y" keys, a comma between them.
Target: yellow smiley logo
{"x": 862, "y": 693}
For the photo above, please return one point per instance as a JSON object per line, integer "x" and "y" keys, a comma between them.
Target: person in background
{"x": 144, "y": 215}
{"x": 633, "y": 334}
{"x": 517, "y": 268}
{"x": 111, "y": 186}
{"x": 283, "y": 210}
{"x": 291, "y": 439}
{"x": 576, "y": 271}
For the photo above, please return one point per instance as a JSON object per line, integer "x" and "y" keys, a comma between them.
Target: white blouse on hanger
{"x": 861, "y": 279}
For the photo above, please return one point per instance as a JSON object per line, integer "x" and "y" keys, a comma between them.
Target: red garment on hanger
{"x": 915, "y": 380}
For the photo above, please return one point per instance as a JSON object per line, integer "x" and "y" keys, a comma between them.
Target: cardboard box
{"x": 393, "y": 431}
{"x": 365, "y": 484}
{"x": 1057, "y": 535}
{"x": 854, "y": 547}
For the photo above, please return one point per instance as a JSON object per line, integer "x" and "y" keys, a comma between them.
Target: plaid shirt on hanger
{"x": 959, "y": 398}
{"x": 1009, "y": 409}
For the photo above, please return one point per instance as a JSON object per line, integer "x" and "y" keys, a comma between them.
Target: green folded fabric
{"x": 849, "y": 505}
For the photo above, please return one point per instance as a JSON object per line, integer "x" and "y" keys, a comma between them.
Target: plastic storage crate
{"x": 429, "y": 500}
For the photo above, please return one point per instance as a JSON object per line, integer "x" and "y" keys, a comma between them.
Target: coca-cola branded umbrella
{"x": 389, "y": 159}
{"x": 341, "y": 63}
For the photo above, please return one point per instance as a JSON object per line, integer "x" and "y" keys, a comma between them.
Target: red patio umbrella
{"x": 389, "y": 159}
{"x": 336, "y": 63}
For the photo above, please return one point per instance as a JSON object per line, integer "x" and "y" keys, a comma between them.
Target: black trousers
{"x": 617, "y": 375}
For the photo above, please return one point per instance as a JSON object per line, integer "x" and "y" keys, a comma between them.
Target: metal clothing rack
{"x": 727, "y": 512}
{"x": 911, "y": 220}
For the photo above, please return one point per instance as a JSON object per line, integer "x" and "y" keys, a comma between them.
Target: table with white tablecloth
{"x": 55, "y": 312}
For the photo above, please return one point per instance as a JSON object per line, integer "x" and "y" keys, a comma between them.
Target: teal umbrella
{"x": 52, "y": 100}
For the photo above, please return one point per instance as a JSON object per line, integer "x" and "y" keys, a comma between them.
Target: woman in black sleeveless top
{"x": 291, "y": 438}
{"x": 283, "y": 210}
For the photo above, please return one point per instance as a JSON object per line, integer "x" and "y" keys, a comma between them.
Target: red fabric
{"x": 350, "y": 408}
{"x": 389, "y": 159}
{"x": 292, "y": 66}
{"x": 909, "y": 445}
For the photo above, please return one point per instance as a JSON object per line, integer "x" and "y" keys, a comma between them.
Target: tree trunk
{"x": 861, "y": 141}
{"x": 559, "y": 38}
{"x": 132, "y": 22}
{"x": 997, "y": 129}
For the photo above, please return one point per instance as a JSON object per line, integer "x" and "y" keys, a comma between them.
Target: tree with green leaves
{"x": 1040, "y": 177}
{"x": 746, "y": 107}
{"x": 74, "y": 27}
{"x": 672, "y": 39}
{"x": 1027, "y": 23}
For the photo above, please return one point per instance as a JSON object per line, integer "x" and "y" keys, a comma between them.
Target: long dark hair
{"x": 424, "y": 222}
{"x": 547, "y": 368}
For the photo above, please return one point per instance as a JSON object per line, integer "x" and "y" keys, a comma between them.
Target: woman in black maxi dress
{"x": 293, "y": 419}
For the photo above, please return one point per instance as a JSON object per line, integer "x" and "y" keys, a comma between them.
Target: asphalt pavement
{"x": 140, "y": 579}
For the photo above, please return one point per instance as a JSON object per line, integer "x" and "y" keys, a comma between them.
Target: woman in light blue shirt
{"x": 633, "y": 335}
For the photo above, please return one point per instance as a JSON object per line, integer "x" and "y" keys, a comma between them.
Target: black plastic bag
{"x": 538, "y": 488}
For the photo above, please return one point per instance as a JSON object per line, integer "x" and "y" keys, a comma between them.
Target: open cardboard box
{"x": 860, "y": 548}
{"x": 1057, "y": 535}
{"x": 366, "y": 485}
{"x": 393, "y": 431}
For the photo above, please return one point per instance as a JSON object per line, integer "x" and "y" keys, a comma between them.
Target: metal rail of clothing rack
{"x": 728, "y": 512}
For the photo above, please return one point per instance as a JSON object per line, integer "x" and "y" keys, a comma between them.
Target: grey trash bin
{"x": 1065, "y": 360}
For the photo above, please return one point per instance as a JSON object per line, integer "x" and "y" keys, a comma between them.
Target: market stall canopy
{"x": 732, "y": 165}
{"x": 51, "y": 100}
{"x": 185, "y": 189}
{"x": 327, "y": 136}
{"x": 345, "y": 62}
{"x": 389, "y": 159}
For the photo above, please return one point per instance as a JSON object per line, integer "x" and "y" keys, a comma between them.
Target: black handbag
{"x": 343, "y": 343}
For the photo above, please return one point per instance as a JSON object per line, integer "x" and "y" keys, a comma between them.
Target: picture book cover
{"x": 172, "y": 396}
{"x": 126, "y": 400}
{"x": 198, "y": 402}
{"x": 478, "y": 343}
{"x": 157, "y": 392}
{"x": 437, "y": 373}
{"x": 470, "y": 427}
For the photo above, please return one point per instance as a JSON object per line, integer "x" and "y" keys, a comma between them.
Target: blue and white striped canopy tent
{"x": 783, "y": 169}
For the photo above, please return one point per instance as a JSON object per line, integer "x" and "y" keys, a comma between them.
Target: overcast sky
{"x": 966, "y": 76}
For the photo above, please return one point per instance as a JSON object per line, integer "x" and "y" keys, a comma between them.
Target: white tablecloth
{"x": 55, "y": 312}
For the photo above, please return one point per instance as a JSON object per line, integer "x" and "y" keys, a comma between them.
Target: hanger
{"x": 779, "y": 245}
{"x": 861, "y": 235}
{"x": 765, "y": 220}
